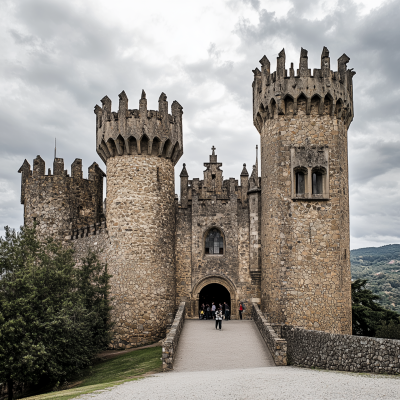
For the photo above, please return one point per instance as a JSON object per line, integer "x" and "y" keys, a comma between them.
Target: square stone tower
{"x": 303, "y": 120}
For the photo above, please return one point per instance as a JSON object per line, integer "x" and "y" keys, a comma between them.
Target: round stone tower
{"x": 140, "y": 148}
{"x": 303, "y": 120}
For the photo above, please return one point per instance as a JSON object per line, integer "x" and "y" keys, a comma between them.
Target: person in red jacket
{"x": 240, "y": 310}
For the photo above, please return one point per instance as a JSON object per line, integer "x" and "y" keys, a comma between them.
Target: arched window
{"x": 214, "y": 242}
{"x": 300, "y": 182}
{"x": 318, "y": 181}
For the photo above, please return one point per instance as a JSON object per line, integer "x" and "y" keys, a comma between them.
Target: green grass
{"x": 106, "y": 374}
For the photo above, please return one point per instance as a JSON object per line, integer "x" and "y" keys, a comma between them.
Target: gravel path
{"x": 280, "y": 383}
{"x": 234, "y": 364}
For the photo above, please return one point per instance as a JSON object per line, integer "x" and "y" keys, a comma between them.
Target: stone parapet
{"x": 89, "y": 230}
{"x": 139, "y": 131}
{"x": 171, "y": 341}
{"x": 316, "y": 349}
{"x": 276, "y": 345}
{"x": 280, "y": 93}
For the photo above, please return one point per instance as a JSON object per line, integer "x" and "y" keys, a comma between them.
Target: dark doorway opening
{"x": 216, "y": 293}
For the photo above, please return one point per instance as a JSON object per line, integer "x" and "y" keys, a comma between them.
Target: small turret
{"x": 244, "y": 183}
{"x": 184, "y": 186}
{"x": 26, "y": 173}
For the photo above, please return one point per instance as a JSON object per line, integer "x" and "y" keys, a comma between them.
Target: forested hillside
{"x": 381, "y": 267}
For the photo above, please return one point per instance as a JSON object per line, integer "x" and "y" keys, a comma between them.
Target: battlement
{"x": 139, "y": 131}
{"x": 59, "y": 173}
{"x": 283, "y": 92}
{"x": 58, "y": 203}
{"x": 214, "y": 187}
{"x": 88, "y": 230}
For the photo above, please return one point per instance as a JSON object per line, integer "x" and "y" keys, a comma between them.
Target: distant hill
{"x": 381, "y": 266}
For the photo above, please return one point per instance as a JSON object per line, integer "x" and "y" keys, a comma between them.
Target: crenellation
{"x": 38, "y": 167}
{"x": 148, "y": 132}
{"x": 76, "y": 169}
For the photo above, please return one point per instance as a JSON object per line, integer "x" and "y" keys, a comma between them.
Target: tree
{"x": 367, "y": 314}
{"x": 54, "y": 312}
{"x": 389, "y": 330}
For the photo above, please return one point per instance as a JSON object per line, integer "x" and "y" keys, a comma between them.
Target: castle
{"x": 280, "y": 240}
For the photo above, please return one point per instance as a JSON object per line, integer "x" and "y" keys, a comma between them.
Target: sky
{"x": 59, "y": 58}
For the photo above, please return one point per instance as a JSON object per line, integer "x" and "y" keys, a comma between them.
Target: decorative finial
{"x": 213, "y": 150}
{"x": 143, "y": 94}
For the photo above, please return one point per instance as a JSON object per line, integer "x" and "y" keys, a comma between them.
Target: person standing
{"x": 202, "y": 311}
{"x": 218, "y": 319}
{"x": 227, "y": 311}
{"x": 213, "y": 308}
{"x": 208, "y": 313}
{"x": 240, "y": 310}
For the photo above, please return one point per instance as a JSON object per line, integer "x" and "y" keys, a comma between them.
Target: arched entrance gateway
{"x": 214, "y": 289}
{"x": 214, "y": 292}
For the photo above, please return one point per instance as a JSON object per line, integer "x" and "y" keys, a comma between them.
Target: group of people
{"x": 217, "y": 313}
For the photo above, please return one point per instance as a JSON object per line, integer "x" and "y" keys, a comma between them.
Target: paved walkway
{"x": 238, "y": 345}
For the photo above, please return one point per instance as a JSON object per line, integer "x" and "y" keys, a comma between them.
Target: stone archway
{"x": 227, "y": 284}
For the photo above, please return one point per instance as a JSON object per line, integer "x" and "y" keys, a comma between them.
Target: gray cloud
{"x": 58, "y": 61}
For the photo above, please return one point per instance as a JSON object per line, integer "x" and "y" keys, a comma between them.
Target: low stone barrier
{"x": 172, "y": 339}
{"x": 275, "y": 344}
{"x": 341, "y": 352}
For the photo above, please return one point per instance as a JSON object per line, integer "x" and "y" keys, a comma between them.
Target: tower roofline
{"x": 270, "y": 90}
{"x": 139, "y": 131}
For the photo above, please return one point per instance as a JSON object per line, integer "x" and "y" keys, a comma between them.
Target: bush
{"x": 54, "y": 313}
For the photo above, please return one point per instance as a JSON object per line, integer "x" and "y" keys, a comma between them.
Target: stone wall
{"x": 305, "y": 244}
{"x": 171, "y": 341}
{"x": 183, "y": 254}
{"x": 141, "y": 227}
{"x": 317, "y": 349}
{"x": 277, "y": 346}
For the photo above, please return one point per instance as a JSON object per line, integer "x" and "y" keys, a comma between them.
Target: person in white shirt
{"x": 213, "y": 308}
{"x": 218, "y": 319}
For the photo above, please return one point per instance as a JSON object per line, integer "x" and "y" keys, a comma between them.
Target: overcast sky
{"x": 59, "y": 58}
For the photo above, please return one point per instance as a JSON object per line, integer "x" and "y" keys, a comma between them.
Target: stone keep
{"x": 303, "y": 120}
{"x": 140, "y": 149}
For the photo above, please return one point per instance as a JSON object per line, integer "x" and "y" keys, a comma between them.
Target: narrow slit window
{"x": 300, "y": 182}
{"x": 214, "y": 242}
{"x": 317, "y": 182}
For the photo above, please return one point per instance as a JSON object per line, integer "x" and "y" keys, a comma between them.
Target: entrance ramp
{"x": 238, "y": 345}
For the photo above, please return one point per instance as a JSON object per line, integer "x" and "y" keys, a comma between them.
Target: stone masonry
{"x": 303, "y": 121}
{"x": 279, "y": 241}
